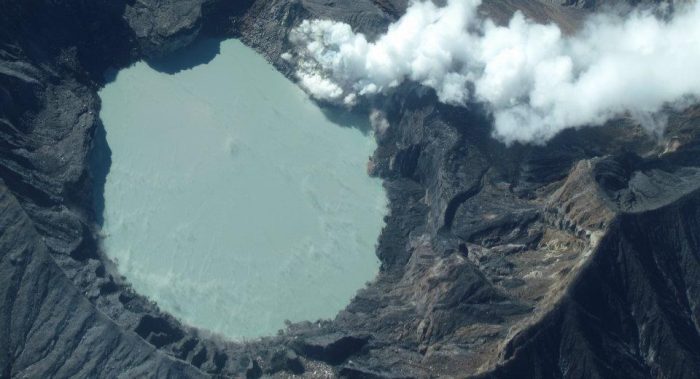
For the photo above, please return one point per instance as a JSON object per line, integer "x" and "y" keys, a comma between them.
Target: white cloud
{"x": 535, "y": 81}
{"x": 379, "y": 122}
{"x": 320, "y": 87}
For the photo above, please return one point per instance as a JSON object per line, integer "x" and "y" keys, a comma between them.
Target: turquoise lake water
{"x": 232, "y": 200}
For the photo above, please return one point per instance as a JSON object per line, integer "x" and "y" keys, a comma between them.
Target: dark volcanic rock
{"x": 575, "y": 259}
{"x": 48, "y": 327}
{"x": 332, "y": 348}
{"x": 632, "y": 312}
{"x": 285, "y": 360}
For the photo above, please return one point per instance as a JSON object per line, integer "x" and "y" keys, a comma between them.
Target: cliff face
{"x": 52, "y": 59}
{"x": 574, "y": 259}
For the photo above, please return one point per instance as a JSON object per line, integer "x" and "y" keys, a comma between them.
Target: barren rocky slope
{"x": 575, "y": 259}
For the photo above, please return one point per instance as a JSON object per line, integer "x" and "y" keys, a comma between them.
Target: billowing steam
{"x": 535, "y": 80}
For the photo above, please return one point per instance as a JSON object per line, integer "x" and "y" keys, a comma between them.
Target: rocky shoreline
{"x": 574, "y": 259}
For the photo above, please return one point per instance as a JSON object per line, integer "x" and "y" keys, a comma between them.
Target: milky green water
{"x": 231, "y": 200}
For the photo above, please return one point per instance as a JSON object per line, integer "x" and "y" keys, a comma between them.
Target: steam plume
{"x": 535, "y": 80}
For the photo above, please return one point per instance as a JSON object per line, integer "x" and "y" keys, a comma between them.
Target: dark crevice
{"x": 458, "y": 200}
{"x": 158, "y": 331}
